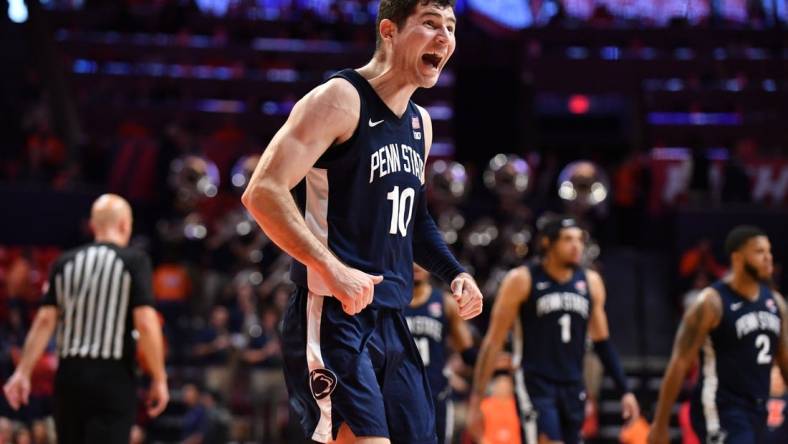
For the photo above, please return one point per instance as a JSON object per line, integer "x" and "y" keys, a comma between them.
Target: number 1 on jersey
{"x": 401, "y": 203}
{"x": 566, "y": 324}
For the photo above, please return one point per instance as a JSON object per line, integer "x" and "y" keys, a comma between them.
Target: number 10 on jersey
{"x": 402, "y": 210}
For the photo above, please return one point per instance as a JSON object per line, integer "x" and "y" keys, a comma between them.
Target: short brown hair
{"x": 398, "y": 12}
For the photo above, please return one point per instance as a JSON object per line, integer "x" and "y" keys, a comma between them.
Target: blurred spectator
{"x": 19, "y": 283}
{"x": 266, "y": 380}
{"x": 246, "y": 317}
{"x": 501, "y": 420}
{"x": 213, "y": 348}
{"x": 700, "y": 282}
{"x": 172, "y": 288}
{"x": 194, "y": 418}
{"x": 700, "y": 259}
{"x": 206, "y": 421}
{"x": 137, "y": 435}
{"x": 216, "y": 428}
{"x": 22, "y": 436}
{"x": 6, "y": 431}
{"x": 41, "y": 432}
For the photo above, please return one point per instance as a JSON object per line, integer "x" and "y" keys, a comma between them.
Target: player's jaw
{"x": 759, "y": 270}
{"x": 573, "y": 257}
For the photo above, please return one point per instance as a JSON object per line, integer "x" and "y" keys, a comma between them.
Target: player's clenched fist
{"x": 468, "y": 296}
{"x": 354, "y": 288}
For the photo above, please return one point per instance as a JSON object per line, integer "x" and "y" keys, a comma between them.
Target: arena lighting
{"x": 579, "y": 104}
{"x": 17, "y": 11}
{"x": 694, "y": 119}
{"x": 512, "y": 14}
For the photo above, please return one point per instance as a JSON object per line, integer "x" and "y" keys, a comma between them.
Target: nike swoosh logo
{"x": 374, "y": 124}
{"x": 542, "y": 285}
{"x": 735, "y": 306}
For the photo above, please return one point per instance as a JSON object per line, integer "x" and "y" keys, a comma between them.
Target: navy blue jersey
{"x": 360, "y": 197}
{"x": 428, "y": 325}
{"x": 550, "y": 334}
{"x": 736, "y": 360}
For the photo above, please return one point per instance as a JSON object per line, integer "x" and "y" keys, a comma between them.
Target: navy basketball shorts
{"x": 444, "y": 419}
{"x": 553, "y": 409}
{"x": 363, "y": 370}
{"x": 726, "y": 423}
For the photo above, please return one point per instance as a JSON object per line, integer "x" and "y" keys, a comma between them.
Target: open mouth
{"x": 433, "y": 60}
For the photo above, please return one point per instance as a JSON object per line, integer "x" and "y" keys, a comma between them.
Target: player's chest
{"x": 551, "y": 301}
{"x": 393, "y": 152}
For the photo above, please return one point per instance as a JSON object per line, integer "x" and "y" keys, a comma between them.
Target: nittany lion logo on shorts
{"x": 322, "y": 381}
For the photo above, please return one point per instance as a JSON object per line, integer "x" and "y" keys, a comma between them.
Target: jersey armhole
{"x": 339, "y": 153}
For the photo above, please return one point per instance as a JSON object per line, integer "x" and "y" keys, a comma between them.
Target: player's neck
{"x": 420, "y": 295}
{"x": 745, "y": 285}
{"x": 392, "y": 87}
{"x": 557, "y": 271}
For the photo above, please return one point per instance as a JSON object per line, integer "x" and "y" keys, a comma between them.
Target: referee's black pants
{"x": 95, "y": 402}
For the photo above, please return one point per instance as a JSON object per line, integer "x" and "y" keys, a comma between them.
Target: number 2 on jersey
{"x": 762, "y": 342}
{"x": 566, "y": 324}
{"x": 402, "y": 204}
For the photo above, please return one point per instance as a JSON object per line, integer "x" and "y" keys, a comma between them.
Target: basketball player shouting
{"x": 354, "y": 150}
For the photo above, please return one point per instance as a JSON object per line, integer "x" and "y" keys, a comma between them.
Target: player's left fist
{"x": 468, "y": 296}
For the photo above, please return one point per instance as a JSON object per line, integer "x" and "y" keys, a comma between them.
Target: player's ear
{"x": 544, "y": 243}
{"x": 387, "y": 29}
{"x": 736, "y": 256}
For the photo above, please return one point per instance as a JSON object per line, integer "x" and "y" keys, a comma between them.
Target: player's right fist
{"x": 354, "y": 288}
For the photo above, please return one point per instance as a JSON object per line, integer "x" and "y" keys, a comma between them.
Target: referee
{"x": 99, "y": 297}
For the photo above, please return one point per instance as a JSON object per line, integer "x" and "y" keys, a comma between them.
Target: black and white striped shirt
{"x": 96, "y": 287}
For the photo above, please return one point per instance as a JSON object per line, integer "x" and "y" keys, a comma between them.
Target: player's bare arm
{"x": 599, "y": 333}
{"x": 17, "y": 389}
{"x": 326, "y": 116}
{"x": 463, "y": 287}
{"x": 702, "y": 317}
{"x": 513, "y": 292}
{"x": 597, "y": 324}
{"x": 781, "y": 358}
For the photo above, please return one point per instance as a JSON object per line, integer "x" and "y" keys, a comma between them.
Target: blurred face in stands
{"x": 190, "y": 395}
{"x": 219, "y": 318}
{"x": 422, "y": 46}
{"x": 137, "y": 435}
{"x": 22, "y": 436}
{"x": 567, "y": 249}
{"x": 755, "y": 258}
{"x": 246, "y": 298}
{"x": 40, "y": 433}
